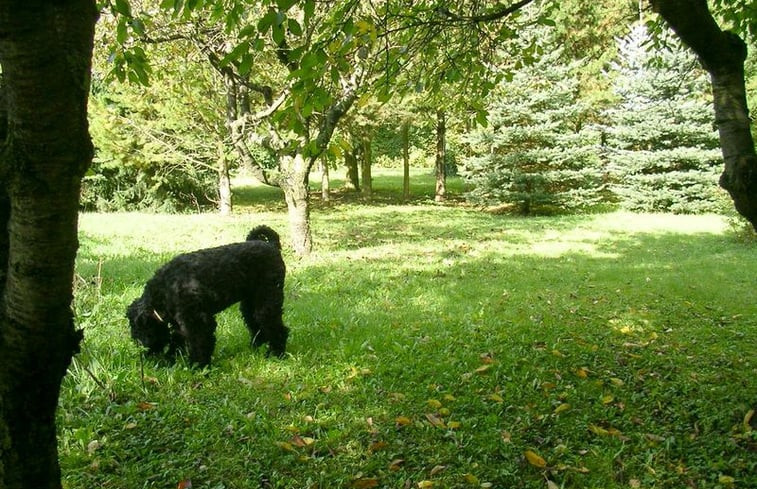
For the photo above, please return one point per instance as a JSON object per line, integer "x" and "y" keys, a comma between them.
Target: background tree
{"x": 660, "y": 142}
{"x": 722, "y": 54}
{"x": 537, "y": 152}
{"x": 45, "y": 55}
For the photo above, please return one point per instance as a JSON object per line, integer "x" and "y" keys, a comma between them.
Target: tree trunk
{"x": 325, "y": 182}
{"x": 352, "y": 181}
{"x": 294, "y": 183}
{"x": 224, "y": 183}
{"x": 45, "y": 54}
{"x": 365, "y": 168}
{"x": 722, "y": 54}
{"x": 406, "y": 160}
{"x": 441, "y": 150}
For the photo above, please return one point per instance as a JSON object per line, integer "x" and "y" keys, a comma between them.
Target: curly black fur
{"x": 179, "y": 302}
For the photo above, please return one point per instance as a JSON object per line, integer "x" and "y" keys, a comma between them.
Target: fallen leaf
{"x": 435, "y": 421}
{"x": 396, "y": 464}
{"x": 483, "y": 369}
{"x": 453, "y": 425}
{"x": 185, "y": 484}
{"x": 93, "y": 446}
{"x": 607, "y": 399}
{"x": 506, "y": 437}
{"x": 598, "y": 430}
{"x": 496, "y": 398}
{"x": 285, "y": 446}
{"x": 449, "y": 397}
{"x": 365, "y": 483}
{"x": 402, "y": 421}
{"x": 377, "y": 446}
{"x": 471, "y": 479}
{"x": 634, "y": 483}
{"x": 748, "y": 421}
{"x": 535, "y": 459}
{"x": 552, "y": 485}
{"x": 726, "y": 479}
{"x": 561, "y": 408}
{"x": 582, "y": 372}
{"x": 616, "y": 382}
{"x": 425, "y": 484}
{"x": 130, "y": 426}
{"x": 437, "y": 469}
{"x": 145, "y": 406}
{"x": 434, "y": 404}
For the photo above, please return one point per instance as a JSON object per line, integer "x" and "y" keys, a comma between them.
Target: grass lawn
{"x": 431, "y": 346}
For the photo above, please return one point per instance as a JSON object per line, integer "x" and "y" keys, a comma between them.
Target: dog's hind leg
{"x": 247, "y": 308}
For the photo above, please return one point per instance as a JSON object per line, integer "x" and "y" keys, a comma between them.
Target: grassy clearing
{"x": 431, "y": 346}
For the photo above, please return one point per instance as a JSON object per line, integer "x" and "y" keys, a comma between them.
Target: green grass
{"x": 431, "y": 346}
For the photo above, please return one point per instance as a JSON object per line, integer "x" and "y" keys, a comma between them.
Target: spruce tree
{"x": 660, "y": 143}
{"x": 537, "y": 153}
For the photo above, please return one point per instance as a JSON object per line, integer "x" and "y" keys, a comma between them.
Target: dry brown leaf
{"x": 435, "y": 421}
{"x": 185, "y": 484}
{"x": 396, "y": 464}
{"x": 365, "y": 483}
{"x": 437, "y": 469}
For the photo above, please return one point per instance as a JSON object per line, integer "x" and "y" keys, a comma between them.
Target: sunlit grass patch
{"x": 432, "y": 346}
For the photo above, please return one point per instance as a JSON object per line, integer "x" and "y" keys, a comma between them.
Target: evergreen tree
{"x": 537, "y": 154}
{"x": 660, "y": 144}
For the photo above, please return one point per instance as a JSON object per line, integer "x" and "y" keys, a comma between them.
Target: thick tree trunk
{"x": 294, "y": 183}
{"x": 406, "y": 160}
{"x": 365, "y": 168}
{"x": 45, "y": 54}
{"x": 722, "y": 54}
{"x": 441, "y": 153}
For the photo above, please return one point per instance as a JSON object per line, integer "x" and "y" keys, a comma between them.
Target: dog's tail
{"x": 264, "y": 233}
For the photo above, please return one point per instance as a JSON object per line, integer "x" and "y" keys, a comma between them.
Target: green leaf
{"x": 294, "y": 27}
{"x": 267, "y": 21}
{"x": 277, "y": 33}
{"x": 123, "y": 8}
{"x": 246, "y": 64}
{"x": 236, "y": 53}
{"x": 285, "y": 5}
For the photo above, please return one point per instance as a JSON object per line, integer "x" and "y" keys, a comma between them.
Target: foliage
{"x": 660, "y": 141}
{"x": 156, "y": 145}
{"x": 461, "y": 355}
{"x": 537, "y": 153}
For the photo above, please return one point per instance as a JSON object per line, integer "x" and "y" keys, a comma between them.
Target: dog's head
{"x": 147, "y": 327}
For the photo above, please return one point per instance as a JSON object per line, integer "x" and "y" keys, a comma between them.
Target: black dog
{"x": 179, "y": 302}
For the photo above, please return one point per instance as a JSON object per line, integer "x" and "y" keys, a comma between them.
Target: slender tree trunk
{"x": 294, "y": 183}
{"x": 224, "y": 183}
{"x": 325, "y": 181}
{"x": 441, "y": 150}
{"x": 45, "y": 54}
{"x": 722, "y": 54}
{"x": 365, "y": 168}
{"x": 352, "y": 180}
{"x": 406, "y": 160}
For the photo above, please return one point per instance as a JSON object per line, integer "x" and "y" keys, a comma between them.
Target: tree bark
{"x": 352, "y": 180}
{"x": 722, "y": 54}
{"x": 294, "y": 183}
{"x": 224, "y": 183}
{"x": 325, "y": 181}
{"x": 365, "y": 168}
{"x": 45, "y": 54}
{"x": 441, "y": 153}
{"x": 406, "y": 160}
